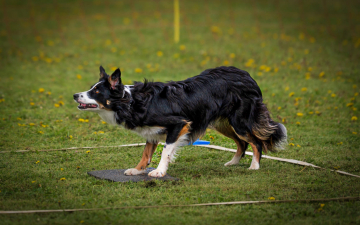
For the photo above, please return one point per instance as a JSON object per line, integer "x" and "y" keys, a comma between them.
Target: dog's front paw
{"x": 133, "y": 171}
{"x": 157, "y": 173}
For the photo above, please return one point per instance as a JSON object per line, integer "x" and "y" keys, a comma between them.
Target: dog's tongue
{"x": 83, "y": 104}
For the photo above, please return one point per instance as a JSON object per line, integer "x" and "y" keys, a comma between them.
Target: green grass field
{"x": 303, "y": 54}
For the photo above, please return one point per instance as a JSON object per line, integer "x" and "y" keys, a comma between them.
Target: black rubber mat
{"x": 119, "y": 176}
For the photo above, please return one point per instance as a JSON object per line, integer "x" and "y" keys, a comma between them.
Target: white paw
{"x": 254, "y": 166}
{"x": 133, "y": 171}
{"x": 157, "y": 173}
{"x": 230, "y": 163}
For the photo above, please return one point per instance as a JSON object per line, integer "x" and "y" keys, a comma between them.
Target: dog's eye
{"x": 97, "y": 92}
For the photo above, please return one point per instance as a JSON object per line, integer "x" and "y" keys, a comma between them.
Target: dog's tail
{"x": 273, "y": 135}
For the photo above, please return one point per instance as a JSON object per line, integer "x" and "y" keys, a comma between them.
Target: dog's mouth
{"x": 87, "y": 106}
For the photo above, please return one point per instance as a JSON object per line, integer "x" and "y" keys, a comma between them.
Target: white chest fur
{"x": 151, "y": 134}
{"x": 108, "y": 116}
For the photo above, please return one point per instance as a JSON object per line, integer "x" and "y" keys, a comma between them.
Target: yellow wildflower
{"x": 37, "y": 162}
{"x": 260, "y": 74}
{"x": 349, "y": 104}
{"x": 81, "y": 120}
{"x": 306, "y": 51}
{"x": 182, "y": 47}
{"x": 226, "y": 63}
{"x": 48, "y": 93}
{"x": 41, "y": 132}
{"x": 356, "y": 94}
{"x": 303, "y": 89}
{"x": 95, "y": 132}
{"x": 335, "y": 107}
{"x": 310, "y": 69}
{"x": 291, "y": 144}
{"x": 86, "y": 121}
{"x": 333, "y": 95}
{"x": 60, "y": 102}
{"x": 63, "y": 178}
{"x": 250, "y": 63}
{"x": 32, "y": 103}
{"x": 276, "y": 69}
{"x": 322, "y": 74}
{"x": 232, "y": 55}
{"x": 299, "y": 114}
{"x": 354, "y": 118}
{"x": 31, "y": 124}
{"x": 33, "y": 181}
{"x": 43, "y": 125}
{"x": 35, "y": 58}
{"x": 70, "y": 136}
{"x": 340, "y": 143}
{"x": 279, "y": 107}
{"x": 88, "y": 151}
{"x": 298, "y": 123}
{"x": 354, "y": 86}
{"x": 138, "y": 70}
{"x": 291, "y": 94}
{"x": 354, "y": 132}
{"x": 298, "y": 146}
{"x": 159, "y": 53}
{"x": 78, "y": 76}
{"x": 101, "y": 132}
{"x": 48, "y": 60}
{"x": 271, "y": 198}
{"x": 80, "y": 67}
{"x": 56, "y": 105}
{"x": 307, "y": 76}
{"x": 41, "y": 90}
{"x": 215, "y": 29}
{"x": 317, "y": 112}
{"x": 103, "y": 122}
{"x": 82, "y": 221}
{"x": 61, "y": 169}
{"x": 354, "y": 108}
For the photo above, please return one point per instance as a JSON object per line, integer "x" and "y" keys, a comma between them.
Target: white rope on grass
{"x": 73, "y": 148}
{"x": 293, "y": 161}
{"x": 179, "y": 206}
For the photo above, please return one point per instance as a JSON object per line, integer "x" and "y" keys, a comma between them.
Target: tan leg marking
{"x": 185, "y": 129}
{"x": 146, "y": 158}
{"x": 147, "y": 155}
{"x": 255, "y": 163}
{"x": 227, "y": 130}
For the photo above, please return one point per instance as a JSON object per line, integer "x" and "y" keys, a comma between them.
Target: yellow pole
{"x": 176, "y": 21}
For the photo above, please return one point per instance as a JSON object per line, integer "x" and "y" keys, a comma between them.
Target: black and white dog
{"x": 226, "y": 99}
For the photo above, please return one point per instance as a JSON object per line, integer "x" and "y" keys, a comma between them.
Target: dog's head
{"x": 99, "y": 95}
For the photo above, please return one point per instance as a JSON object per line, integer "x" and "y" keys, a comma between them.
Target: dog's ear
{"x": 102, "y": 72}
{"x": 115, "y": 78}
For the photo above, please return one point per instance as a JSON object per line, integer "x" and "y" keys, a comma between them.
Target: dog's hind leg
{"x": 257, "y": 151}
{"x": 245, "y": 136}
{"x": 145, "y": 160}
{"x": 223, "y": 127}
{"x": 241, "y": 148}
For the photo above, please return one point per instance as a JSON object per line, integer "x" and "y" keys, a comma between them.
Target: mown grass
{"x": 304, "y": 56}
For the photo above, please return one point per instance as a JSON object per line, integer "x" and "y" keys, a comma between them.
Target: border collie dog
{"x": 226, "y": 99}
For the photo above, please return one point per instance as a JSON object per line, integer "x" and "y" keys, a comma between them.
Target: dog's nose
{"x": 76, "y": 96}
